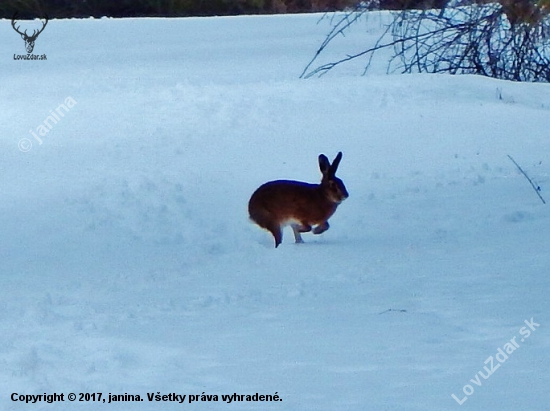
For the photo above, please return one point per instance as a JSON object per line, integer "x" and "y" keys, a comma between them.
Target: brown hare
{"x": 302, "y": 205}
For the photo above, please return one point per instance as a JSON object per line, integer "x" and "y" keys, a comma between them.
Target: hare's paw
{"x": 303, "y": 228}
{"x": 321, "y": 228}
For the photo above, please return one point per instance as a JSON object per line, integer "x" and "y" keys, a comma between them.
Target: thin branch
{"x": 337, "y": 30}
{"x": 535, "y": 187}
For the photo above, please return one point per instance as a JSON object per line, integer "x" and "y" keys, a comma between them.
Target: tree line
{"x": 182, "y": 8}
{"x": 163, "y": 8}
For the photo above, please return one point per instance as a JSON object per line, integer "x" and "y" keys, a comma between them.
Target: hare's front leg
{"x": 297, "y": 228}
{"x": 321, "y": 228}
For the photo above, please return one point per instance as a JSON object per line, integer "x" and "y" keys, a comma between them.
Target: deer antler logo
{"x": 29, "y": 40}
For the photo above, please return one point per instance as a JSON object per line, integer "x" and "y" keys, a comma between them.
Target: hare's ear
{"x": 324, "y": 165}
{"x": 335, "y": 163}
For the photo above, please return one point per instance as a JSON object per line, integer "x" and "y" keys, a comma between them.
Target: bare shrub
{"x": 505, "y": 39}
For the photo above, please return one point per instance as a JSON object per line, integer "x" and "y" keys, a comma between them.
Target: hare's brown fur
{"x": 278, "y": 203}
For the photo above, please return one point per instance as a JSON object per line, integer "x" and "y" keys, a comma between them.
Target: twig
{"x": 392, "y": 310}
{"x": 535, "y": 187}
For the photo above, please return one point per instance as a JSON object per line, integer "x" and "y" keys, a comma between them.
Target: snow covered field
{"x": 128, "y": 263}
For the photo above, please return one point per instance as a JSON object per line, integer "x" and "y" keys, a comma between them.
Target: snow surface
{"x": 129, "y": 265}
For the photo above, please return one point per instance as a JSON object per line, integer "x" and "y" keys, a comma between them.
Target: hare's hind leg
{"x": 321, "y": 228}
{"x": 275, "y": 229}
{"x": 266, "y": 220}
{"x": 300, "y": 228}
